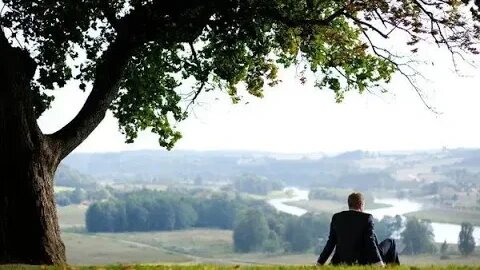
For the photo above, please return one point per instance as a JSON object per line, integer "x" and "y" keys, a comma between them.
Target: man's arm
{"x": 328, "y": 249}
{"x": 371, "y": 244}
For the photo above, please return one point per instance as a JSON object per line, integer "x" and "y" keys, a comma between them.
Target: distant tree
{"x": 466, "y": 242}
{"x": 444, "y": 250}
{"x": 137, "y": 216}
{"x": 297, "y": 235}
{"x": 251, "y": 231}
{"x": 418, "y": 237}
{"x": 100, "y": 193}
{"x": 63, "y": 198}
{"x": 105, "y": 217}
{"x": 303, "y": 233}
{"x": 161, "y": 214}
{"x": 216, "y": 212}
{"x": 185, "y": 215}
{"x": 387, "y": 226}
{"x": 255, "y": 184}
{"x": 273, "y": 243}
{"x": 78, "y": 195}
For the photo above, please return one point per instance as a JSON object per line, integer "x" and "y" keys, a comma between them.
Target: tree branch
{"x": 202, "y": 83}
{"x": 275, "y": 15}
{"x": 105, "y": 88}
{"x": 368, "y": 25}
{"x": 133, "y": 30}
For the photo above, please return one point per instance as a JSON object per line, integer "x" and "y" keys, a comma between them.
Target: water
{"x": 442, "y": 231}
{"x": 297, "y": 195}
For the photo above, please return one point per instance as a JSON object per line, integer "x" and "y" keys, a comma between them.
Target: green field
{"x": 208, "y": 246}
{"x": 230, "y": 267}
{"x": 448, "y": 215}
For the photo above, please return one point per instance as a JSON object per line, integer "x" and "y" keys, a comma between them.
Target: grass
{"x": 189, "y": 247}
{"x": 204, "y": 243}
{"x": 448, "y": 215}
{"x": 84, "y": 249}
{"x": 229, "y": 267}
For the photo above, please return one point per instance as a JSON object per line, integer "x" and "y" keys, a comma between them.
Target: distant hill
{"x": 299, "y": 170}
{"x": 68, "y": 177}
{"x": 212, "y": 166}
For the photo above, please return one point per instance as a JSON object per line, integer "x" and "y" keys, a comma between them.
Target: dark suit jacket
{"x": 353, "y": 238}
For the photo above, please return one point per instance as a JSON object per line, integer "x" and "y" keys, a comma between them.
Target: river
{"x": 442, "y": 231}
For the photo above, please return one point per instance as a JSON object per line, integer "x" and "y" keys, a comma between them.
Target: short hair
{"x": 355, "y": 200}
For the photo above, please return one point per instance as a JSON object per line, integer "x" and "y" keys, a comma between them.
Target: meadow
{"x": 226, "y": 267}
{"x": 194, "y": 246}
{"x": 448, "y": 215}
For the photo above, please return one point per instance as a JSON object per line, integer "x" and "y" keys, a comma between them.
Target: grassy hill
{"x": 220, "y": 267}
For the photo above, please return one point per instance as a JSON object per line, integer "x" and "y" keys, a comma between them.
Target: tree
{"x": 466, "y": 242}
{"x": 133, "y": 55}
{"x": 418, "y": 237}
{"x": 444, "y": 250}
{"x": 251, "y": 231}
{"x": 388, "y": 226}
{"x": 78, "y": 195}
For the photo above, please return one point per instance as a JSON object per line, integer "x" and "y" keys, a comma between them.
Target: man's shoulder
{"x": 352, "y": 213}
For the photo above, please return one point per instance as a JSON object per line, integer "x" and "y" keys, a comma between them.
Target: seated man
{"x": 353, "y": 238}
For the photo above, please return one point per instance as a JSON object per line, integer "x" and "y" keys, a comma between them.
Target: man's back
{"x": 352, "y": 237}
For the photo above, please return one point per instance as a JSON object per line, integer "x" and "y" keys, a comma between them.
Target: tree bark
{"x": 29, "y": 231}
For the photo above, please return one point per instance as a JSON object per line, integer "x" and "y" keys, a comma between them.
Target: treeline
{"x": 333, "y": 194}
{"x": 79, "y": 195}
{"x": 253, "y": 184}
{"x": 161, "y": 211}
{"x": 268, "y": 231}
{"x": 256, "y": 226}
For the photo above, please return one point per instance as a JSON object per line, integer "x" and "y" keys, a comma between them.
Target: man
{"x": 353, "y": 238}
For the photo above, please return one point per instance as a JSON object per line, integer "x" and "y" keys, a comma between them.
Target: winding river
{"x": 442, "y": 231}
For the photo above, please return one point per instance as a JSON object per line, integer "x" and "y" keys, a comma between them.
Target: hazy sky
{"x": 295, "y": 118}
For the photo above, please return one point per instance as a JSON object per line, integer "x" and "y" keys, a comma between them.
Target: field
{"x": 448, "y": 215}
{"x": 229, "y": 267}
{"x": 207, "y": 246}
{"x": 85, "y": 249}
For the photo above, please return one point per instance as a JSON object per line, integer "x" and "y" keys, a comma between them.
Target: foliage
{"x": 79, "y": 195}
{"x": 67, "y": 177}
{"x": 161, "y": 211}
{"x": 466, "y": 242}
{"x": 387, "y": 226}
{"x": 228, "y": 45}
{"x": 251, "y": 231}
{"x": 418, "y": 237}
{"x": 253, "y": 184}
{"x": 301, "y": 234}
{"x": 444, "y": 251}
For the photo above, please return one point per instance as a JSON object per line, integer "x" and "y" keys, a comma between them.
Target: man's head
{"x": 356, "y": 201}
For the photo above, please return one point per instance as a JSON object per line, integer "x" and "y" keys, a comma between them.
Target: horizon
{"x": 393, "y": 151}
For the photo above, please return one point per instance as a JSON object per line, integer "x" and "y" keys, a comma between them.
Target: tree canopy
{"x": 134, "y": 55}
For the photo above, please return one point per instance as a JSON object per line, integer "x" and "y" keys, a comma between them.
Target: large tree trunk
{"x": 29, "y": 231}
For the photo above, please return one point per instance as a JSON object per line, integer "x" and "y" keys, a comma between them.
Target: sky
{"x": 296, "y": 118}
